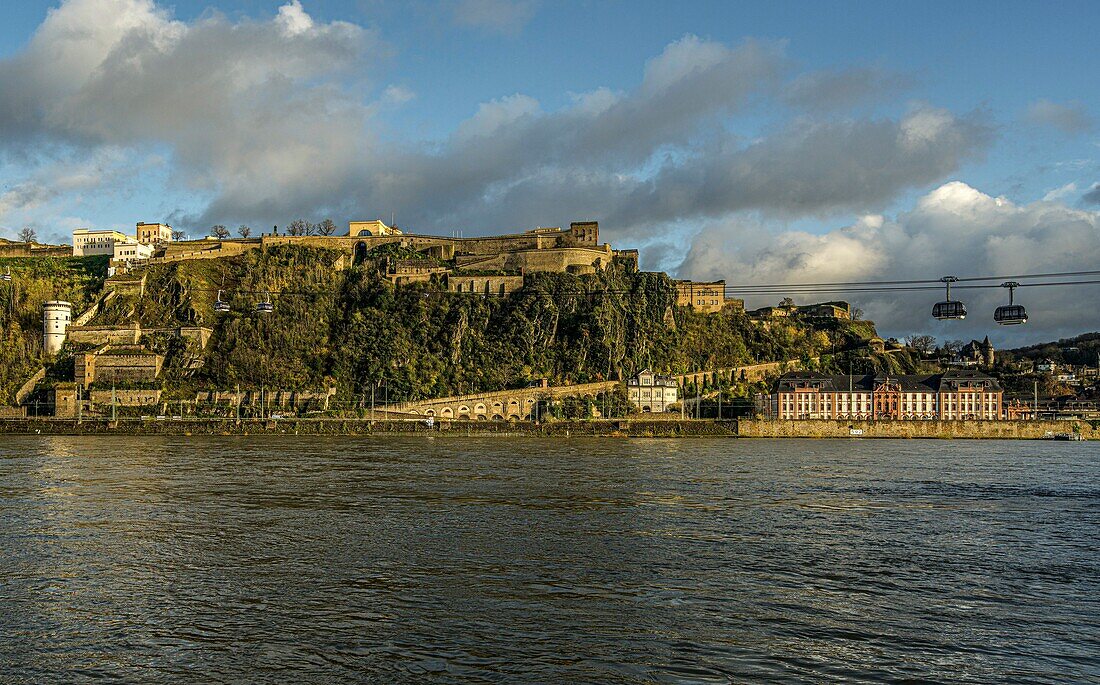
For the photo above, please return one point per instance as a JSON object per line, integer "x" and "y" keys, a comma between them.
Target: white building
{"x": 651, "y": 392}
{"x": 953, "y": 395}
{"x": 87, "y": 243}
{"x": 56, "y": 317}
{"x": 131, "y": 251}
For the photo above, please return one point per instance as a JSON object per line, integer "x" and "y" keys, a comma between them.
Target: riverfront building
{"x": 113, "y": 363}
{"x": 652, "y": 392}
{"x": 953, "y": 395}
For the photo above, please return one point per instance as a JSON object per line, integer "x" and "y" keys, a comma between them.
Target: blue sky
{"x": 733, "y": 140}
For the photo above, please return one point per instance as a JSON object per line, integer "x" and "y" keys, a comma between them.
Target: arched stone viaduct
{"x": 505, "y": 405}
{"x": 752, "y": 372}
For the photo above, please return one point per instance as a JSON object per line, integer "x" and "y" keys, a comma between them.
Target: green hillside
{"x": 350, "y": 328}
{"x": 35, "y": 281}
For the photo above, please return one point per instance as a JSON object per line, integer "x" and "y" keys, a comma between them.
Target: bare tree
{"x": 786, "y": 302}
{"x": 326, "y": 227}
{"x": 924, "y": 344}
{"x": 28, "y": 235}
{"x": 244, "y": 231}
{"x": 178, "y": 235}
{"x": 857, "y": 314}
{"x": 298, "y": 227}
{"x": 953, "y": 347}
{"x": 220, "y": 232}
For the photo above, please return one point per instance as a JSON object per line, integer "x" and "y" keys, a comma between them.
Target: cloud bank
{"x": 952, "y": 230}
{"x": 263, "y": 120}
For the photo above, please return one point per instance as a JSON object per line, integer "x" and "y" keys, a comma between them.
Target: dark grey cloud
{"x": 1092, "y": 196}
{"x": 506, "y": 17}
{"x": 1069, "y": 118}
{"x": 808, "y": 168}
{"x": 840, "y": 89}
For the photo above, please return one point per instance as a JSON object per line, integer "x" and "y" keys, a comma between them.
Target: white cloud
{"x": 492, "y": 116}
{"x": 252, "y": 110}
{"x": 1059, "y": 194}
{"x": 293, "y": 19}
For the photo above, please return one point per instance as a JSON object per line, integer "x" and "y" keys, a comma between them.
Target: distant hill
{"x": 1081, "y": 349}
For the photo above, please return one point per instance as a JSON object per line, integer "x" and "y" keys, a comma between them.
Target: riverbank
{"x": 327, "y": 426}
{"x": 623, "y": 428}
{"x": 944, "y": 430}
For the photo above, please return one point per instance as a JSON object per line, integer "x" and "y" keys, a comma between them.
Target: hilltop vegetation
{"x": 352, "y": 329}
{"x": 1079, "y": 350}
{"x": 34, "y": 281}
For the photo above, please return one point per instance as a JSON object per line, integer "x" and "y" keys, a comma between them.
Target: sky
{"x": 772, "y": 142}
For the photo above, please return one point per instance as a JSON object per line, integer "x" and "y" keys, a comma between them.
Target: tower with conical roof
{"x": 987, "y": 353}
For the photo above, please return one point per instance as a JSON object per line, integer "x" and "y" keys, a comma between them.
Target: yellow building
{"x": 703, "y": 297}
{"x": 154, "y": 234}
{"x": 371, "y": 228}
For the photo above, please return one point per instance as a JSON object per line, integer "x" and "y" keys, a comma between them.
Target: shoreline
{"x": 616, "y": 428}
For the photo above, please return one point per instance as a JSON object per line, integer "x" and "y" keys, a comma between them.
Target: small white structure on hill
{"x": 56, "y": 317}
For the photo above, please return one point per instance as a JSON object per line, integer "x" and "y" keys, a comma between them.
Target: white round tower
{"x": 56, "y": 317}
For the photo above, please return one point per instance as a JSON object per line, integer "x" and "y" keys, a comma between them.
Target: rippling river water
{"x": 498, "y": 560}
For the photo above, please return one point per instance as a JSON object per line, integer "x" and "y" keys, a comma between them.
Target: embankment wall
{"x": 623, "y": 428}
{"x": 1004, "y": 430}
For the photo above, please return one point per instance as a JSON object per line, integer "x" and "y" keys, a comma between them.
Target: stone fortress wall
{"x": 575, "y": 249}
{"x": 17, "y": 249}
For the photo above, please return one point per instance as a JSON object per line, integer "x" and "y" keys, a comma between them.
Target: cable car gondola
{"x": 949, "y": 309}
{"x": 265, "y": 307}
{"x": 1010, "y": 314}
{"x": 220, "y": 305}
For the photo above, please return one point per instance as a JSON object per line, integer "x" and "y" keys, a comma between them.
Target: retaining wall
{"x": 913, "y": 429}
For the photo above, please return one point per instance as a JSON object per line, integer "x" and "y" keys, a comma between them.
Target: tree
{"x": 326, "y": 227}
{"x": 298, "y": 227}
{"x": 220, "y": 232}
{"x": 28, "y": 235}
{"x": 925, "y": 344}
{"x": 178, "y": 235}
{"x": 953, "y": 347}
{"x": 244, "y": 231}
{"x": 786, "y": 302}
{"x": 857, "y": 314}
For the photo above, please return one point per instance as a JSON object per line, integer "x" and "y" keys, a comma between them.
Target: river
{"x": 275, "y": 559}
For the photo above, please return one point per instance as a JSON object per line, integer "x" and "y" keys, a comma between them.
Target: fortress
{"x": 574, "y": 250}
